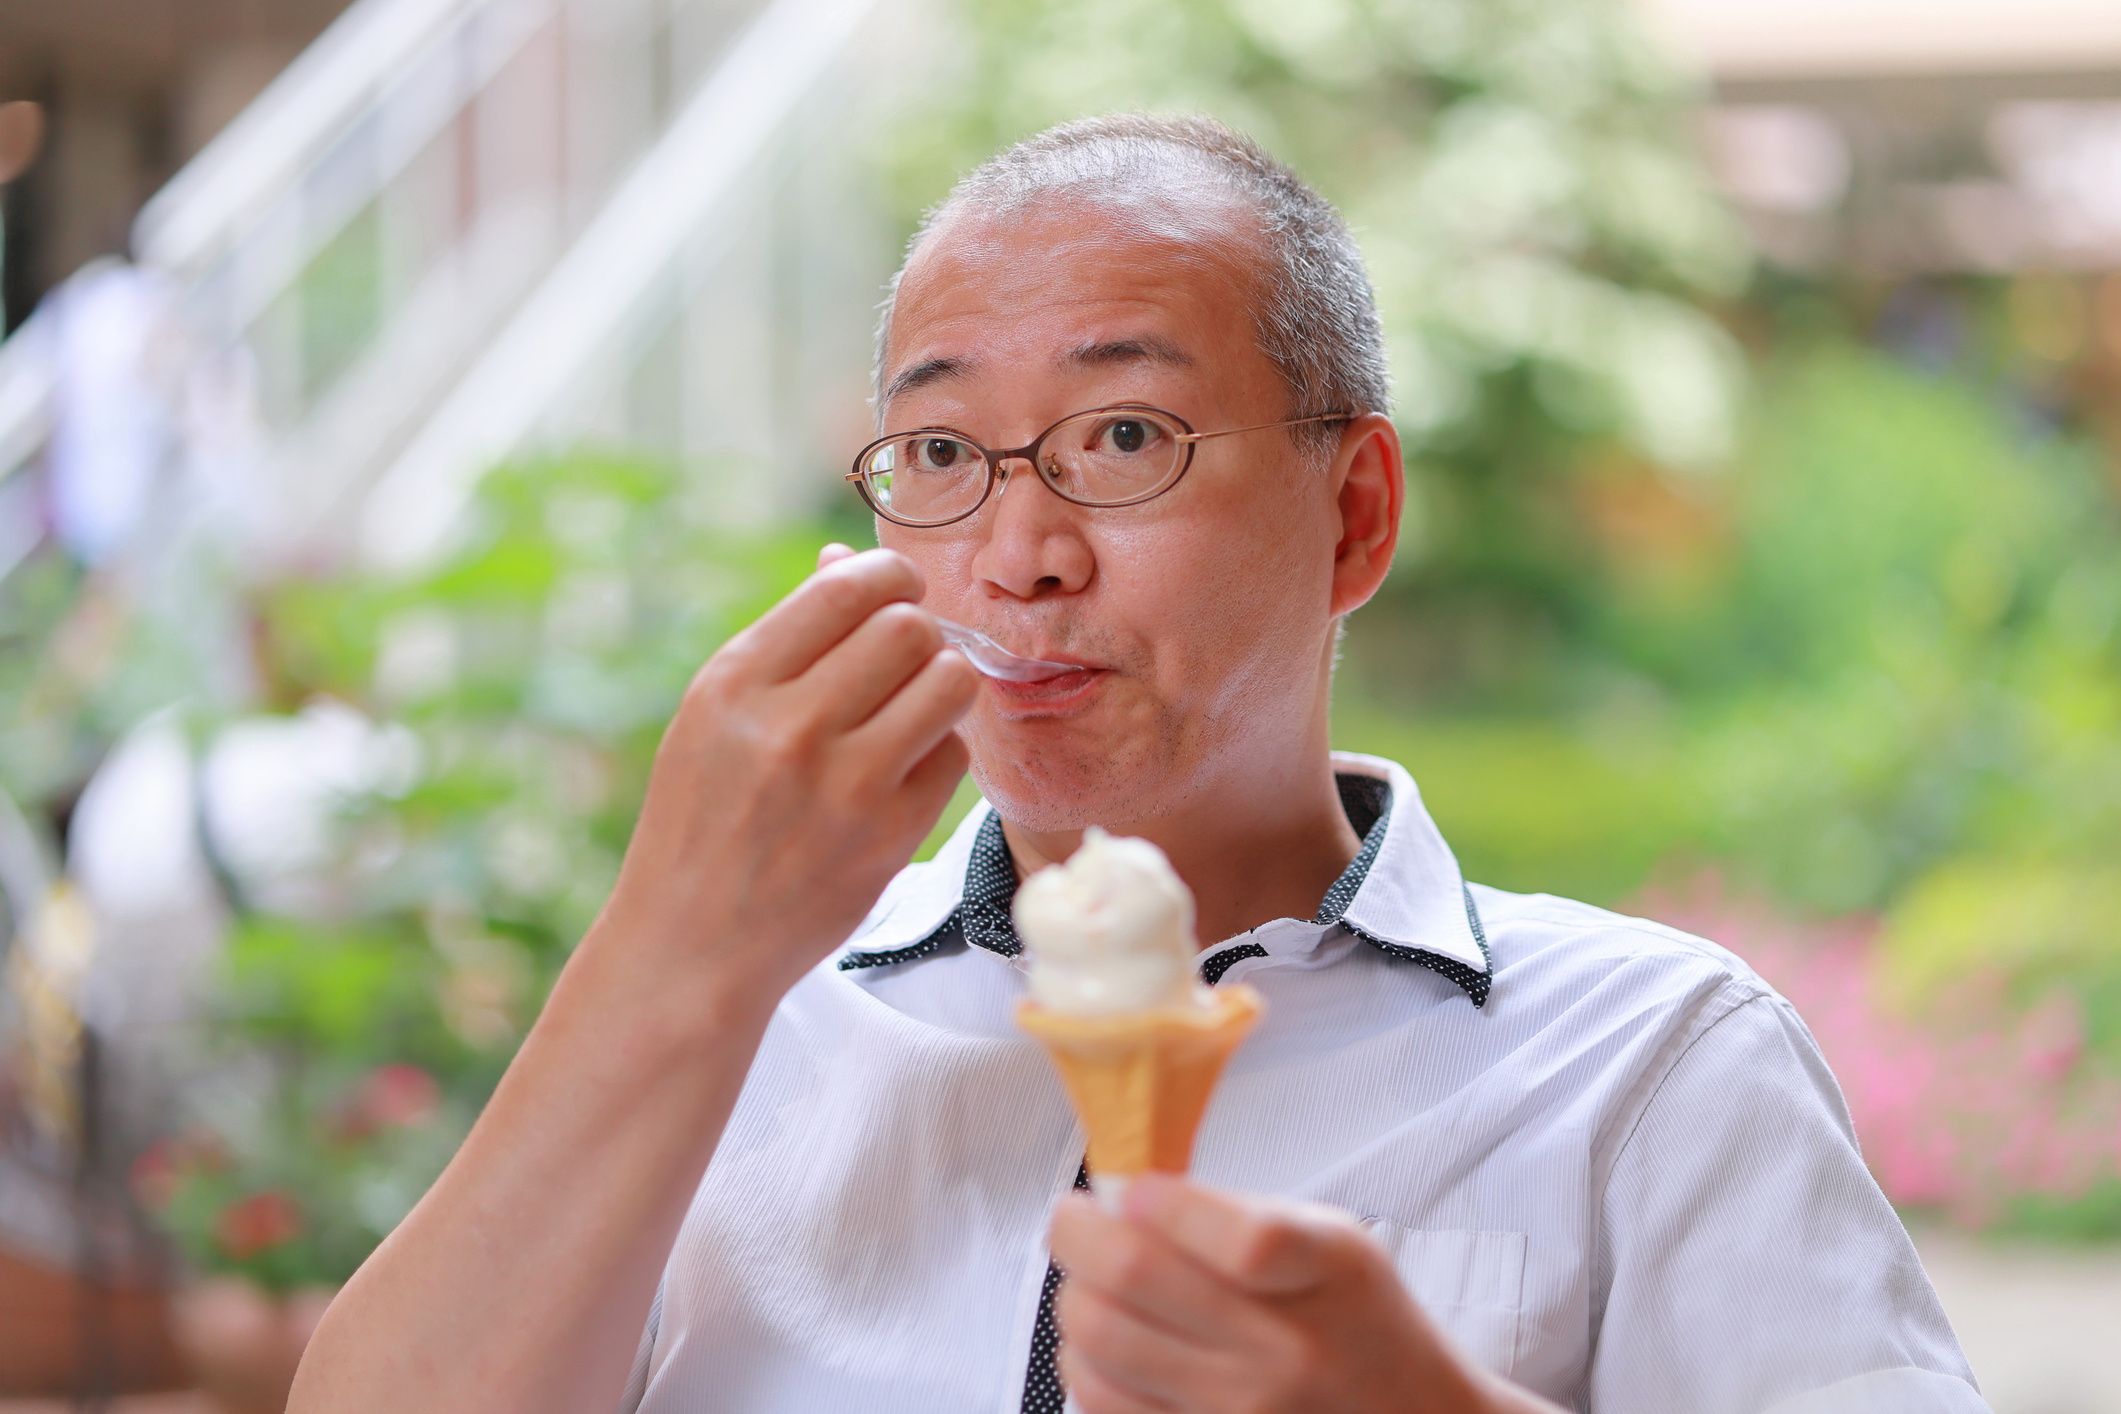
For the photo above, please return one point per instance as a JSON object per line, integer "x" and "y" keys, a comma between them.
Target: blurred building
{"x": 1898, "y": 137}
{"x": 131, "y": 90}
{"x": 448, "y": 232}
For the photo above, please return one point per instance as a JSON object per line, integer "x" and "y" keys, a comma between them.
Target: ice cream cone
{"x": 1141, "y": 1080}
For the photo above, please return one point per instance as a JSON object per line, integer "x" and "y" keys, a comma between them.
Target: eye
{"x": 939, "y": 453}
{"x": 1128, "y": 435}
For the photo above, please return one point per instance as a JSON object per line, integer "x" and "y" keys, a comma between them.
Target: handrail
{"x": 203, "y": 212}
{"x": 236, "y": 228}
{"x": 236, "y": 176}
{"x": 26, "y": 381}
{"x": 26, "y": 869}
{"x": 369, "y": 124}
{"x": 599, "y": 286}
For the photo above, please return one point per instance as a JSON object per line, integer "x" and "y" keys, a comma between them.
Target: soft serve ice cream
{"x": 1138, "y": 1043}
{"x": 1110, "y": 931}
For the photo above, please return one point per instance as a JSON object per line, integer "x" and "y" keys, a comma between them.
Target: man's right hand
{"x": 809, "y": 757}
{"x": 808, "y": 760}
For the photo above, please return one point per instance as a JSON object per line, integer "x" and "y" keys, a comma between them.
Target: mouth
{"x": 1049, "y": 695}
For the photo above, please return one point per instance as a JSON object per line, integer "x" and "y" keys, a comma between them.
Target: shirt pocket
{"x": 1471, "y": 1284}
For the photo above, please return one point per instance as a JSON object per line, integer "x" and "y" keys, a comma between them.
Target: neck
{"x": 1263, "y": 846}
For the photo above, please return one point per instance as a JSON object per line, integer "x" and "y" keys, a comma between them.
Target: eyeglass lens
{"x": 1099, "y": 458}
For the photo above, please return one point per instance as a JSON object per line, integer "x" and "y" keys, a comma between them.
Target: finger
{"x": 1147, "y": 1360}
{"x": 926, "y": 790}
{"x": 1128, "y": 1263}
{"x": 857, "y": 675}
{"x": 1265, "y": 1245}
{"x": 832, "y": 553}
{"x": 920, "y": 715}
{"x": 821, "y": 611}
{"x": 1094, "y": 1392}
{"x": 933, "y": 779}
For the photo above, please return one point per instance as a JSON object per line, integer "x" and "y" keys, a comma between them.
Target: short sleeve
{"x": 643, "y": 1357}
{"x": 1748, "y": 1262}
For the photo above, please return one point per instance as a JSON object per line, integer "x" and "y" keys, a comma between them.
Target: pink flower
{"x": 164, "y": 1164}
{"x": 1962, "y": 1108}
{"x": 260, "y": 1221}
{"x": 155, "y": 1174}
{"x": 394, "y": 1096}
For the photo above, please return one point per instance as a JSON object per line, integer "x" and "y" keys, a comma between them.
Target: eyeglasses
{"x": 1109, "y": 456}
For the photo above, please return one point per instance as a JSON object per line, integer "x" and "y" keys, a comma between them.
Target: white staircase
{"x": 457, "y": 230}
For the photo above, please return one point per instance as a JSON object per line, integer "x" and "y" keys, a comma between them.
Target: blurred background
{"x": 400, "y": 398}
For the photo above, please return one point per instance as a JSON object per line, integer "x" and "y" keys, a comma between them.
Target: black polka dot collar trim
{"x": 981, "y": 917}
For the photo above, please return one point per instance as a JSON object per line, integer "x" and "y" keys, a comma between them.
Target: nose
{"x": 1036, "y": 545}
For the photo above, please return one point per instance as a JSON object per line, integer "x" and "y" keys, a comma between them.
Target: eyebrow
{"x": 1147, "y": 348}
{"x": 927, "y": 371}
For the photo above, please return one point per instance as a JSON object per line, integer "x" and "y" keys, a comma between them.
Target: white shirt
{"x": 1625, "y": 1179}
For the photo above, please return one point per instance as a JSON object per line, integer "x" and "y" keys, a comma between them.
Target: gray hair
{"x": 1316, "y": 318}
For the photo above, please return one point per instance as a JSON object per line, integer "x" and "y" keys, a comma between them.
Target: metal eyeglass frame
{"x": 995, "y": 458}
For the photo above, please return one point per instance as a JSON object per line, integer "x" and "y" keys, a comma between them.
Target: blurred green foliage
{"x": 2094, "y": 1216}
{"x": 537, "y": 670}
{"x": 526, "y": 681}
{"x": 1533, "y": 804}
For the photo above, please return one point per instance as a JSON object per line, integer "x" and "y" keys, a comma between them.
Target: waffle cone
{"x": 1141, "y": 1081}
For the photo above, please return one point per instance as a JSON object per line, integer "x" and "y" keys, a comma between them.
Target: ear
{"x": 1369, "y": 487}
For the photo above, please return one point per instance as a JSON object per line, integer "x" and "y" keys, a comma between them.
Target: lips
{"x": 1055, "y": 694}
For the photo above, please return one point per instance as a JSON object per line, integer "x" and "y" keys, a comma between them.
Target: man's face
{"x": 1202, "y": 618}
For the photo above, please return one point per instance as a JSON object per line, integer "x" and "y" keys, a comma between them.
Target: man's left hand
{"x": 1217, "y": 1303}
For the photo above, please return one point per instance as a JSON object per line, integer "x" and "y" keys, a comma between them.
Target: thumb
{"x": 833, "y": 553}
{"x": 1271, "y": 1246}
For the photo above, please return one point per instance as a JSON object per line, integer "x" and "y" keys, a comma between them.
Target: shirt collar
{"x": 1409, "y": 900}
{"x": 1402, "y": 893}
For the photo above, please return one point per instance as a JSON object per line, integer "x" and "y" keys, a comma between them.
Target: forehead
{"x": 1077, "y": 287}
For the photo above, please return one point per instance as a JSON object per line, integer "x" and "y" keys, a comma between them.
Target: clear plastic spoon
{"x": 996, "y": 661}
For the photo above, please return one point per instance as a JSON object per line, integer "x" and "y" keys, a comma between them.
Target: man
{"x": 1516, "y": 1150}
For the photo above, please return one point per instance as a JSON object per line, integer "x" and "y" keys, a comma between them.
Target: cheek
{"x": 1226, "y": 599}
{"x": 1156, "y": 575}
